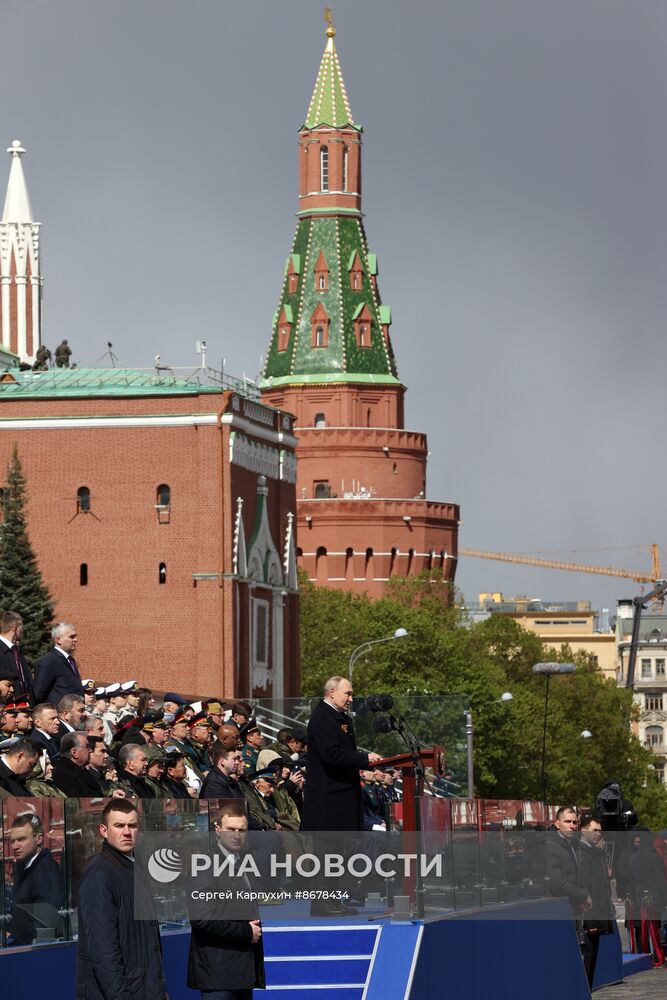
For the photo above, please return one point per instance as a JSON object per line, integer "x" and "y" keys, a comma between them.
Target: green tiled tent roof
{"x": 329, "y": 104}
{"x": 87, "y": 382}
{"x": 338, "y": 239}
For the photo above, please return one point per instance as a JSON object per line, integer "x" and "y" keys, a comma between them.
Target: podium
{"x": 413, "y": 783}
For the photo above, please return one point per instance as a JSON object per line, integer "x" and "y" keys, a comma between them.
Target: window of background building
{"x": 659, "y": 668}
{"x": 660, "y": 773}
{"x": 653, "y": 702}
{"x": 654, "y": 736}
{"x": 83, "y": 499}
{"x": 646, "y": 668}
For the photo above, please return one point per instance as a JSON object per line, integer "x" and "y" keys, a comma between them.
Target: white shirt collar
{"x": 62, "y": 652}
{"x": 8, "y": 644}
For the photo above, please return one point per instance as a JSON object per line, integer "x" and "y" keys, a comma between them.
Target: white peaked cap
{"x": 128, "y": 685}
{"x": 113, "y": 689}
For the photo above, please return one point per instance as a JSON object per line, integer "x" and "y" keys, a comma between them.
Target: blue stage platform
{"x": 516, "y": 951}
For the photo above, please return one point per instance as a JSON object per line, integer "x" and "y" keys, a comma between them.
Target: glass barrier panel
{"x": 33, "y": 857}
{"x": 175, "y": 817}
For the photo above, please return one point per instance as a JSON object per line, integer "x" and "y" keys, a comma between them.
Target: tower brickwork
{"x": 362, "y": 513}
{"x": 20, "y": 274}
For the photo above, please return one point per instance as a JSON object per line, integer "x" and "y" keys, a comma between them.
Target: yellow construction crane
{"x": 628, "y": 574}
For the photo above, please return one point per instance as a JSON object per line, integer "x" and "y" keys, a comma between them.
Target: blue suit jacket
{"x": 54, "y": 678}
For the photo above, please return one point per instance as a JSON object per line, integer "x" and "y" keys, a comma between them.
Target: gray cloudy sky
{"x": 515, "y": 166}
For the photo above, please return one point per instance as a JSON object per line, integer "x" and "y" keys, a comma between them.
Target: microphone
{"x": 379, "y": 702}
{"x": 382, "y": 724}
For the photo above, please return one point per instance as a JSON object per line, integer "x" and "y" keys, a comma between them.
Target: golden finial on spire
{"x": 328, "y": 17}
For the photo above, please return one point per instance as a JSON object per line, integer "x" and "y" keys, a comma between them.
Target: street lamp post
{"x": 400, "y": 633}
{"x": 548, "y": 669}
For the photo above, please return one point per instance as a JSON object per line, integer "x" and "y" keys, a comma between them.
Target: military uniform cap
{"x": 178, "y": 699}
{"x": 113, "y": 690}
{"x": 249, "y": 727}
{"x": 100, "y": 692}
{"x": 88, "y": 685}
{"x": 200, "y": 719}
{"x": 130, "y": 687}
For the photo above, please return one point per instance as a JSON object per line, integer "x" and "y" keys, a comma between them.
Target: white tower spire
{"x": 20, "y": 277}
{"x": 17, "y": 203}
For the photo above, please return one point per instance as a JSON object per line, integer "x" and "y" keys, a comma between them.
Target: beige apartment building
{"x": 573, "y": 624}
{"x": 650, "y": 684}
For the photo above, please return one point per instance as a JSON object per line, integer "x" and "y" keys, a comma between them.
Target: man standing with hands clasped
{"x": 594, "y": 878}
{"x": 118, "y": 957}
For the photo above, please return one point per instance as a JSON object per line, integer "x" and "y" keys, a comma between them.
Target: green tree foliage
{"x": 21, "y": 586}
{"x": 444, "y": 654}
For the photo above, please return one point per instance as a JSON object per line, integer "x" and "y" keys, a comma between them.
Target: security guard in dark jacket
{"x": 118, "y": 957}
{"x": 227, "y": 955}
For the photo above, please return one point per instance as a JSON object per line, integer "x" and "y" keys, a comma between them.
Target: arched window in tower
{"x": 349, "y": 564}
{"x": 345, "y": 168}
{"x": 324, "y": 168}
{"x": 322, "y": 489}
{"x": 321, "y": 273}
{"x": 83, "y": 499}
{"x": 368, "y": 566}
{"x": 320, "y": 327}
{"x": 320, "y": 420}
{"x": 411, "y": 561}
{"x": 392, "y": 562}
{"x": 162, "y": 573}
{"x": 321, "y": 572}
{"x": 363, "y": 329}
{"x": 285, "y": 321}
{"x": 163, "y": 495}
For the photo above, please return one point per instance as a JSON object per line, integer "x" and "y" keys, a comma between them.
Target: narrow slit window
{"x": 324, "y": 168}
{"x": 83, "y": 499}
{"x": 162, "y": 573}
{"x": 163, "y": 495}
{"x": 83, "y": 575}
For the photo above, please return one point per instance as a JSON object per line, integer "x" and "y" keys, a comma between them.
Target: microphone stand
{"x": 400, "y": 726}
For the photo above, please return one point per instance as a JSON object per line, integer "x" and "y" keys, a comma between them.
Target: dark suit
{"x": 49, "y": 743}
{"x": 23, "y": 683}
{"x": 54, "y": 678}
{"x": 12, "y": 783}
{"x": 74, "y": 780}
{"x": 332, "y": 797}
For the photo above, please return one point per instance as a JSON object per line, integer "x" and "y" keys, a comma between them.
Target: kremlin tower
{"x": 20, "y": 278}
{"x": 362, "y": 512}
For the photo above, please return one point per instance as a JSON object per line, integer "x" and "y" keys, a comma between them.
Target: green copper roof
{"x": 337, "y": 307}
{"x": 329, "y": 104}
{"x": 95, "y": 382}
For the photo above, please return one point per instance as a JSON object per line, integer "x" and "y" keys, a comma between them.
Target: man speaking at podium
{"x": 332, "y": 796}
